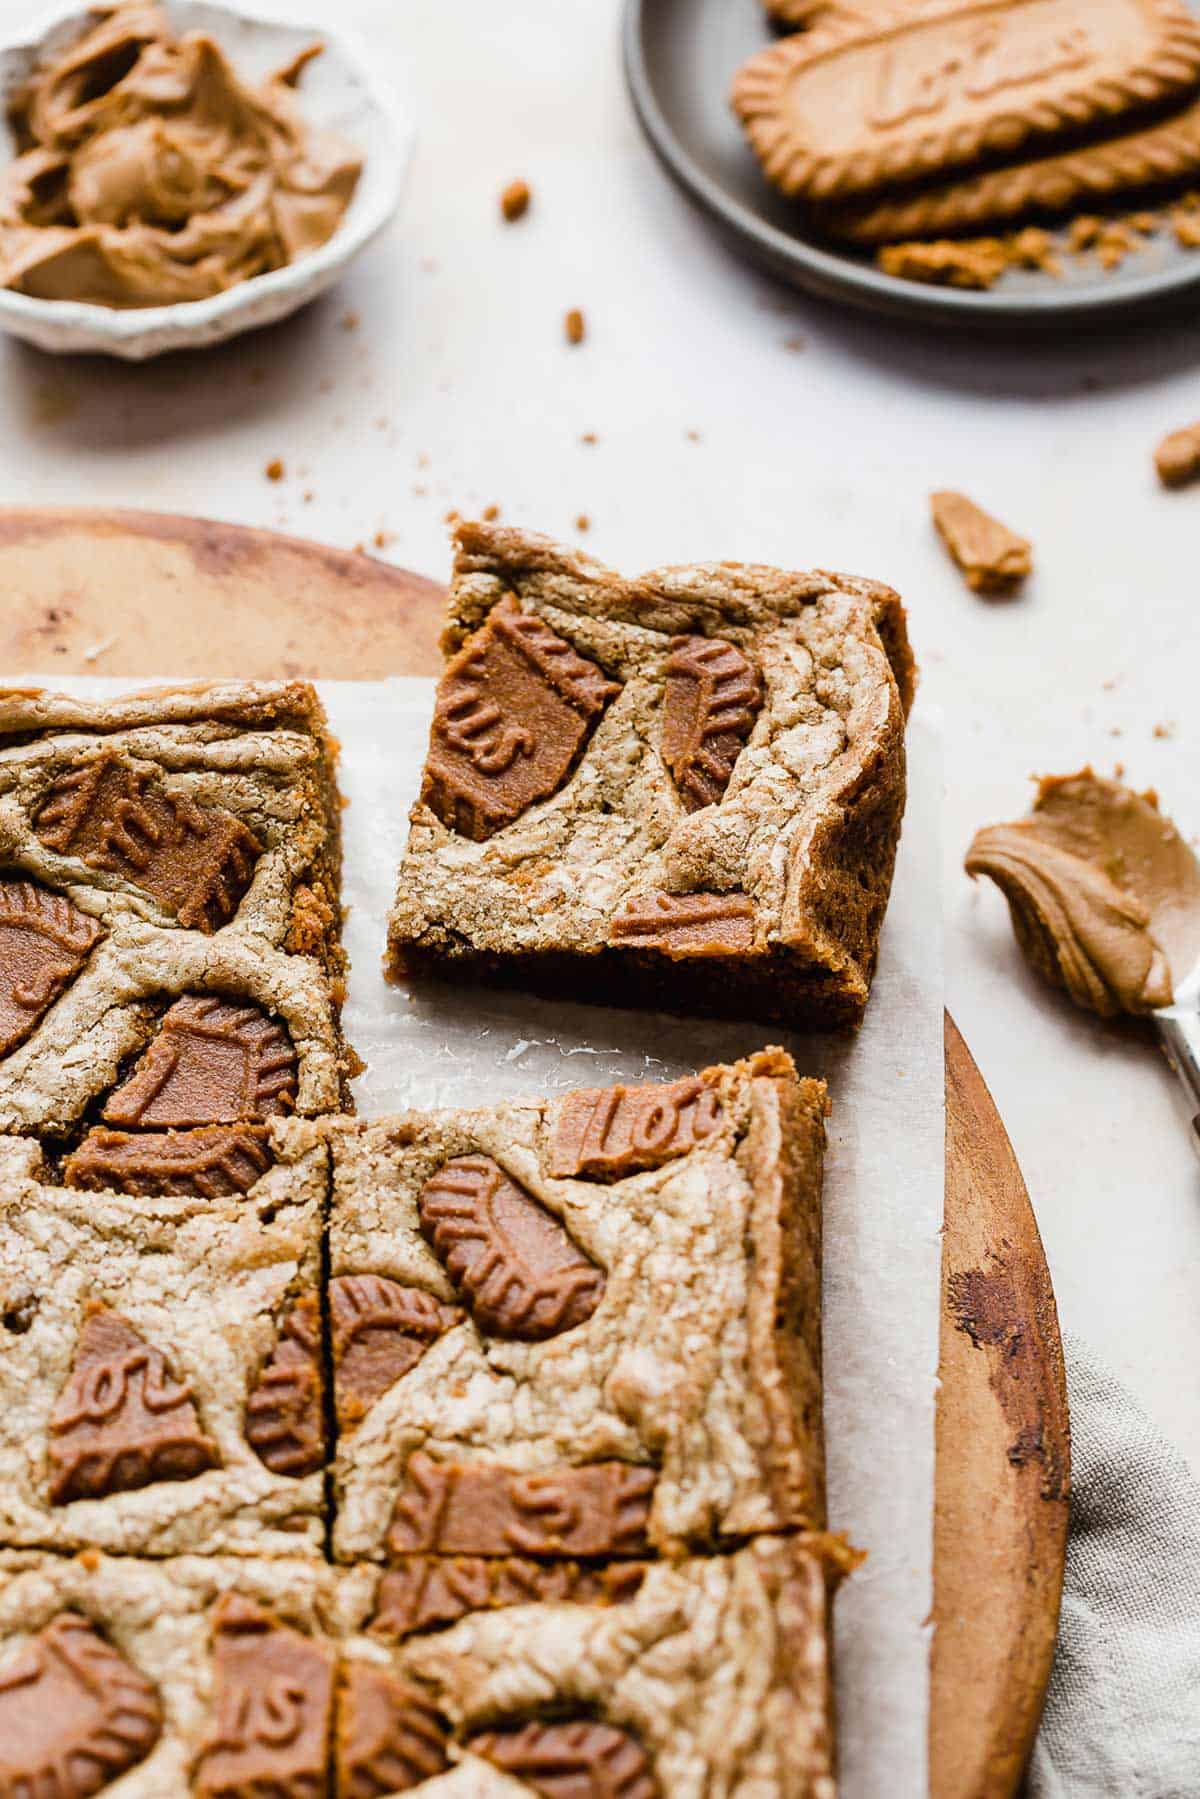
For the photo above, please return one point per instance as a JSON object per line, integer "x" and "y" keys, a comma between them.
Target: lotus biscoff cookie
{"x": 684, "y": 789}
{"x": 838, "y": 111}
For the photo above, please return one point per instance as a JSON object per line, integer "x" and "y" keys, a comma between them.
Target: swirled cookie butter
{"x": 149, "y": 172}
{"x": 1104, "y": 892}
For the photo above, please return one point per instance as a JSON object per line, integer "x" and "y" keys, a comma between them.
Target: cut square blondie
{"x": 169, "y": 909}
{"x": 585, "y": 1328}
{"x": 161, "y": 1373}
{"x": 208, "y": 1675}
{"x": 705, "y": 1675}
{"x": 684, "y": 790}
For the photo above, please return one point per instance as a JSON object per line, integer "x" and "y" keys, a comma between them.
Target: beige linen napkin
{"x": 1122, "y": 1717}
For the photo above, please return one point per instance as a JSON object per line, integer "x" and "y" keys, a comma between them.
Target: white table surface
{"x": 734, "y": 420}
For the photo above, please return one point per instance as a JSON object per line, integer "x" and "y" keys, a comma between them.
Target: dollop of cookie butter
{"x": 1104, "y": 892}
{"x": 149, "y": 172}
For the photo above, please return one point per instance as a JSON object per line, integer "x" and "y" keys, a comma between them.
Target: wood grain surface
{"x": 144, "y": 595}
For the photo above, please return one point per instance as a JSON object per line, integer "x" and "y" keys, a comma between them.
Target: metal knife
{"x": 1178, "y": 1027}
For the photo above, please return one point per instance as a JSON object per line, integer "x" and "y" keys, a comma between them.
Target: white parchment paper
{"x": 883, "y": 1192}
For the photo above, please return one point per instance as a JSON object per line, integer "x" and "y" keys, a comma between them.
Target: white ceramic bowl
{"x": 338, "y": 91}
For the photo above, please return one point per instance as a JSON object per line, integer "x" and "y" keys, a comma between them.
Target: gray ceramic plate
{"x": 680, "y": 58}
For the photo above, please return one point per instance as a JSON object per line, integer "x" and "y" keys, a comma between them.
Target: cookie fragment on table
{"x": 620, "y": 1289}
{"x": 992, "y": 558}
{"x": 682, "y": 790}
{"x": 1177, "y": 457}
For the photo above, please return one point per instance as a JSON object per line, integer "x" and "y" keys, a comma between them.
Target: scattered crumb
{"x": 452, "y": 517}
{"x": 383, "y": 538}
{"x": 796, "y": 342}
{"x": 276, "y": 470}
{"x": 589, "y": 437}
{"x": 1118, "y": 771}
{"x": 309, "y": 496}
{"x": 975, "y": 262}
{"x": 1109, "y": 684}
{"x": 1033, "y": 248}
{"x": 1116, "y": 731}
{"x": 1177, "y": 457}
{"x": 1084, "y": 231}
{"x": 360, "y": 549}
{"x": 420, "y": 489}
{"x": 1186, "y": 226}
{"x": 422, "y": 460}
{"x": 583, "y": 522}
{"x": 993, "y": 559}
{"x": 693, "y": 437}
{"x": 575, "y": 326}
{"x": 350, "y": 321}
{"x": 514, "y": 201}
{"x": 429, "y": 264}
{"x": 491, "y": 513}
{"x": 1164, "y": 731}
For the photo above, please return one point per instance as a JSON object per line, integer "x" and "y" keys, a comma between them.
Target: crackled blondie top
{"x": 587, "y": 1328}
{"x": 161, "y": 1368}
{"x": 223, "y": 1675}
{"x": 169, "y": 919}
{"x": 684, "y": 789}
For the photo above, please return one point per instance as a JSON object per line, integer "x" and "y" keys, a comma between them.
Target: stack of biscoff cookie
{"x": 905, "y": 124}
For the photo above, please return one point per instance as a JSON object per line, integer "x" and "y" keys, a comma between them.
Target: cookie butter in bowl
{"x": 181, "y": 173}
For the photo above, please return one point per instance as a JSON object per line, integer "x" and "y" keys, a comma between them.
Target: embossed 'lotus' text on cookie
{"x": 212, "y": 1062}
{"x": 713, "y": 696}
{"x": 285, "y": 1419}
{"x": 44, "y": 942}
{"x": 839, "y": 111}
{"x": 687, "y": 924}
{"x": 514, "y": 713}
{"x": 429, "y": 1592}
{"x": 196, "y": 861}
{"x": 478, "y": 1508}
{"x": 123, "y": 1420}
{"x": 517, "y": 1268}
{"x": 570, "y": 1759}
{"x": 74, "y": 1715}
{"x": 380, "y": 1331}
{"x": 603, "y": 1133}
{"x": 389, "y": 1736}
{"x": 215, "y": 1162}
{"x": 274, "y": 1706}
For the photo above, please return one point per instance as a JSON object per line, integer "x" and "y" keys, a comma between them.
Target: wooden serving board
{"x": 139, "y": 594}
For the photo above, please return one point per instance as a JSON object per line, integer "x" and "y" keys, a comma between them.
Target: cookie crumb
{"x": 589, "y": 437}
{"x": 276, "y": 469}
{"x": 993, "y": 559}
{"x": 1164, "y": 731}
{"x": 693, "y": 437}
{"x": 491, "y": 513}
{"x": 1186, "y": 226}
{"x": 575, "y": 326}
{"x": 583, "y": 522}
{"x": 514, "y": 201}
{"x": 795, "y": 343}
{"x": 383, "y": 538}
{"x": 975, "y": 262}
{"x": 1177, "y": 457}
{"x": 350, "y": 321}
